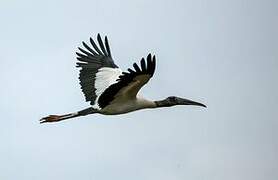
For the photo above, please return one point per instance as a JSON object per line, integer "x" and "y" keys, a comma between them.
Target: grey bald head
{"x": 173, "y": 101}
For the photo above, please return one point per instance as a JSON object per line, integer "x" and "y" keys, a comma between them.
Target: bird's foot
{"x": 51, "y": 118}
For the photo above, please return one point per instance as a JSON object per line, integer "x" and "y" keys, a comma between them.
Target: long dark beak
{"x": 189, "y": 102}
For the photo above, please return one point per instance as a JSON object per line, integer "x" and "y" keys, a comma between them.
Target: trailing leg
{"x": 57, "y": 118}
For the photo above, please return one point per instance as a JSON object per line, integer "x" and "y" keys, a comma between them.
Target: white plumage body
{"x": 124, "y": 105}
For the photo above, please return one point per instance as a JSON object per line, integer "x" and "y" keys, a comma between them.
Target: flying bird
{"x": 110, "y": 90}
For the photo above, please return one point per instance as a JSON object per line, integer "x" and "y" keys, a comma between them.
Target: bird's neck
{"x": 144, "y": 103}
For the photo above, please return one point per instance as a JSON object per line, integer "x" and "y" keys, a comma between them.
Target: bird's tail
{"x": 56, "y": 118}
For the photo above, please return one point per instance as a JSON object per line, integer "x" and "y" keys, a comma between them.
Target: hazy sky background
{"x": 219, "y": 52}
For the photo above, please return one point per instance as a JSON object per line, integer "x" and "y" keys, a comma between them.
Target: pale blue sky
{"x": 219, "y": 52}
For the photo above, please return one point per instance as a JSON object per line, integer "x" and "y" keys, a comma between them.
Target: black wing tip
{"x": 99, "y": 39}
{"x": 104, "y": 50}
{"x": 84, "y": 44}
{"x": 146, "y": 65}
{"x": 101, "y": 45}
{"x": 131, "y": 71}
{"x": 151, "y": 64}
{"x": 149, "y": 56}
{"x": 78, "y": 54}
{"x": 79, "y": 48}
{"x": 107, "y": 46}
{"x": 143, "y": 65}
{"x": 154, "y": 63}
{"x": 91, "y": 39}
{"x": 136, "y": 67}
{"x": 98, "y": 36}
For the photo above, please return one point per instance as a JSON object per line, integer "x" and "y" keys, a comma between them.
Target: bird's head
{"x": 173, "y": 100}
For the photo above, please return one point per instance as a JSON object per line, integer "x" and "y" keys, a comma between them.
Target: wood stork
{"x": 110, "y": 90}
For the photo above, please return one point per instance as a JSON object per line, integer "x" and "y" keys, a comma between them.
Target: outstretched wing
{"x": 98, "y": 70}
{"x": 129, "y": 83}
